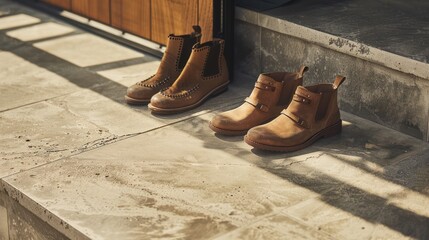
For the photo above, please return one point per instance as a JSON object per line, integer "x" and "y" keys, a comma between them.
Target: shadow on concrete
{"x": 339, "y": 194}
{"x": 82, "y": 77}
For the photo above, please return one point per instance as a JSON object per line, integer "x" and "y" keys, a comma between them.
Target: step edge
{"x": 43, "y": 213}
{"x": 339, "y": 44}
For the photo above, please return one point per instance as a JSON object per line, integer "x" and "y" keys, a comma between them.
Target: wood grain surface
{"x": 64, "y": 4}
{"x": 94, "y": 9}
{"x": 151, "y": 19}
{"x": 172, "y": 16}
{"x": 132, "y": 16}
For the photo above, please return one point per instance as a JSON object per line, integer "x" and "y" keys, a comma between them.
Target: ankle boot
{"x": 173, "y": 61}
{"x": 272, "y": 93}
{"x": 205, "y": 75}
{"x": 312, "y": 114}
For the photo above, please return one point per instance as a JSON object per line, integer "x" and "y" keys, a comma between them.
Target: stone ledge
{"x": 23, "y": 223}
{"x": 359, "y": 50}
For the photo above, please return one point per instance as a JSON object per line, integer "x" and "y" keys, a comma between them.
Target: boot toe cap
{"x": 263, "y": 135}
{"x": 228, "y": 121}
{"x": 223, "y": 122}
{"x": 137, "y": 91}
{"x": 160, "y": 101}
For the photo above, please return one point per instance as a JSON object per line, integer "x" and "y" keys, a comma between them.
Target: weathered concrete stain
{"x": 341, "y": 42}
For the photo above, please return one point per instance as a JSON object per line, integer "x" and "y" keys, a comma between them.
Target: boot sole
{"x": 327, "y": 132}
{"x": 134, "y": 101}
{"x": 227, "y": 132}
{"x": 165, "y": 111}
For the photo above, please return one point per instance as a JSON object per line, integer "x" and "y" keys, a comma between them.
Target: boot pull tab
{"x": 338, "y": 81}
{"x": 197, "y": 32}
{"x": 302, "y": 70}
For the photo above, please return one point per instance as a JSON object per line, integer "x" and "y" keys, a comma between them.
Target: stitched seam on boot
{"x": 180, "y": 62}
{"x": 180, "y": 54}
{"x": 181, "y": 95}
{"x": 157, "y": 84}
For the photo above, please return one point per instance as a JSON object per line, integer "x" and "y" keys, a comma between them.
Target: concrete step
{"x": 385, "y": 60}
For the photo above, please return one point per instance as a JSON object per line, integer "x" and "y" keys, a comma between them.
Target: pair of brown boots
{"x": 188, "y": 74}
{"x": 282, "y": 115}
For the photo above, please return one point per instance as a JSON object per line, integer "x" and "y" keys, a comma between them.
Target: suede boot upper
{"x": 205, "y": 73}
{"x": 272, "y": 93}
{"x": 313, "y": 113}
{"x": 173, "y": 61}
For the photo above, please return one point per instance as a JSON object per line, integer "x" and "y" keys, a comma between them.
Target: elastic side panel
{"x": 286, "y": 94}
{"x": 212, "y": 64}
{"x": 323, "y": 105}
{"x": 288, "y": 90}
{"x": 188, "y": 42}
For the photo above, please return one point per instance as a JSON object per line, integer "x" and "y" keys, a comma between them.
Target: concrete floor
{"x": 80, "y": 159}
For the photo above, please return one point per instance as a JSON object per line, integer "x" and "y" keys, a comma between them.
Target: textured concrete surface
{"x": 370, "y": 86}
{"x": 17, "y": 21}
{"x": 77, "y": 162}
{"x": 352, "y": 183}
{"x": 40, "y": 31}
{"x": 81, "y": 52}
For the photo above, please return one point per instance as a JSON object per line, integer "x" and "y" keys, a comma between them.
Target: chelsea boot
{"x": 173, "y": 61}
{"x": 272, "y": 93}
{"x": 312, "y": 114}
{"x": 205, "y": 75}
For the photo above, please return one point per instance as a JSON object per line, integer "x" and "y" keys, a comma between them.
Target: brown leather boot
{"x": 174, "y": 60}
{"x": 272, "y": 93}
{"x": 312, "y": 114}
{"x": 205, "y": 75}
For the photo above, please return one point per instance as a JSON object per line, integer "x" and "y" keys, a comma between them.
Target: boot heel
{"x": 333, "y": 130}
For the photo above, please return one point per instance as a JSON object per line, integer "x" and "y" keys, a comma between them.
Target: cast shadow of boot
{"x": 232, "y": 139}
{"x": 316, "y": 146}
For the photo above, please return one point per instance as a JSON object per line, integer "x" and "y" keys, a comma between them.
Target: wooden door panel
{"x": 205, "y": 19}
{"x": 64, "y": 4}
{"x": 116, "y": 13}
{"x": 172, "y": 16}
{"x": 98, "y": 10}
{"x": 80, "y": 7}
{"x": 132, "y": 16}
{"x": 151, "y": 19}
